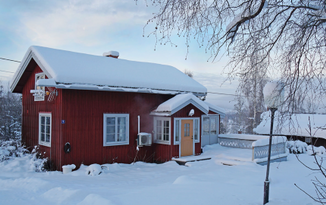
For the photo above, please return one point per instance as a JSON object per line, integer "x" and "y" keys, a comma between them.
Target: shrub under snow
{"x": 299, "y": 147}
{"x": 13, "y": 153}
{"x": 296, "y": 147}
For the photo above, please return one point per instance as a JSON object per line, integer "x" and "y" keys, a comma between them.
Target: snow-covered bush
{"x": 296, "y": 147}
{"x": 312, "y": 150}
{"x": 12, "y": 150}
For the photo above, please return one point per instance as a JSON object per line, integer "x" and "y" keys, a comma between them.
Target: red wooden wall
{"x": 83, "y": 129}
{"x": 31, "y": 110}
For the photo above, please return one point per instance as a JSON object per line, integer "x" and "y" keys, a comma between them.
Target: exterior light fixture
{"x": 273, "y": 96}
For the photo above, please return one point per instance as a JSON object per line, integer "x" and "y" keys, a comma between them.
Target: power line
{"x": 7, "y": 59}
{"x": 217, "y": 93}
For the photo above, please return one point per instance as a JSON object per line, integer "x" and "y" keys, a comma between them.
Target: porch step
{"x": 184, "y": 160}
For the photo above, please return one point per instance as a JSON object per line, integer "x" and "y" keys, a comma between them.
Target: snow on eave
{"x": 20, "y": 71}
{"x": 178, "y": 102}
{"x": 216, "y": 109}
{"x": 30, "y": 54}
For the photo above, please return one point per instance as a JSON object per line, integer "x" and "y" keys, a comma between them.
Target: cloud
{"x": 82, "y": 22}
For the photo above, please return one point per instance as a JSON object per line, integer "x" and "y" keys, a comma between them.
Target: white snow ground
{"x": 201, "y": 182}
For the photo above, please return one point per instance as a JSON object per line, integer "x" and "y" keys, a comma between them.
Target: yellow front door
{"x": 187, "y": 137}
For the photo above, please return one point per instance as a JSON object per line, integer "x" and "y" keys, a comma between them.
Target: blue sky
{"x": 99, "y": 26}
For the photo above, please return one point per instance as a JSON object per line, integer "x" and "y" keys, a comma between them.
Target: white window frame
{"x": 105, "y": 116}
{"x": 193, "y": 129}
{"x": 38, "y": 97}
{"x": 210, "y": 116}
{"x": 158, "y": 141}
{"x": 44, "y": 143}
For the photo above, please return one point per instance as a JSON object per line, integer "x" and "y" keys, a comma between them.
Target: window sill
{"x": 45, "y": 144}
{"x": 115, "y": 144}
{"x": 162, "y": 142}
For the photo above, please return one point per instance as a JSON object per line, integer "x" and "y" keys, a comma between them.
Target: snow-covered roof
{"x": 216, "y": 109}
{"x": 296, "y": 124}
{"x": 178, "y": 102}
{"x": 71, "y": 70}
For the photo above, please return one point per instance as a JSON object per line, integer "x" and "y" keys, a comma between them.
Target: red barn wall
{"x": 83, "y": 129}
{"x": 31, "y": 110}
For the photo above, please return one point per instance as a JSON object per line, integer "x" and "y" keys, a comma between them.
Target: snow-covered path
{"x": 202, "y": 182}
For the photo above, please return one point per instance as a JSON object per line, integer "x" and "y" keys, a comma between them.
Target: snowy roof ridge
{"x": 178, "y": 102}
{"x": 71, "y": 68}
{"x": 217, "y": 109}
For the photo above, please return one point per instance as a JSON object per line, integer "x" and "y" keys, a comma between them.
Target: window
{"x": 210, "y": 124}
{"x": 162, "y": 130}
{"x": 39, "y": 97}
{"x": 115, "y": 129}
{"x": 45, "y": 129}
{"x": 186, "y": 130}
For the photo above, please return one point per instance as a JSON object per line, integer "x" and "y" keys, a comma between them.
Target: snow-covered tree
{"x": 10, "y": 114}
{"x": 291, "y": 35}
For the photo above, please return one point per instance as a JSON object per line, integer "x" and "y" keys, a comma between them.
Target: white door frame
{"x": 193, "y": 127}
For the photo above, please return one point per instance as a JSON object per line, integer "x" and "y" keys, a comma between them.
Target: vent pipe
{"x": 112, "y": 54}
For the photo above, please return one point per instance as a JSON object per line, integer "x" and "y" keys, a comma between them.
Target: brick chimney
{"x": 113, "y": 54}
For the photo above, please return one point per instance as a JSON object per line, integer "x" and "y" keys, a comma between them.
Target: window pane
{"x": 213, "y": 125}
{"x": 47, "y": 120}
{"x": 47, "y": 138}
{"x": 177, "y": 129}
{"x": 42, "y": 120}
{"x": 121, "y": 125}
{"x": 121, "y": 137}
{"x": 196, "y": 130}
{"x": 42, "y": 128}
{"x": 166, "y": 130}
{"x": 47, "y": 129}
{"x": 110, "y": 121}
{"x": 187, "y": 130}
{"x": 159, "y": 129}
{"x": 110, "y": 138}
{"x": 42, "y": 137}
{"x": 206, "y": 125}
{"x": 110, "y": 129}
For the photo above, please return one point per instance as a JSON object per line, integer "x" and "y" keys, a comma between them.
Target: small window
{"x": 39, "y": 97}
{"x": 186, "y": 130}
{"x": 115, "y": 129}
{"x": 162, "y": 130}
{"x": 308, "y": 139}
{"x": 45, "y": 129}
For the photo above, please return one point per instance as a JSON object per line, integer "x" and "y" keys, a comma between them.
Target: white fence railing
{"x": 236, "y": 143}
{"x": 258, "y": 151}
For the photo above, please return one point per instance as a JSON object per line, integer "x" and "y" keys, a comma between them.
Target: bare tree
{"x": 291, "y": 35}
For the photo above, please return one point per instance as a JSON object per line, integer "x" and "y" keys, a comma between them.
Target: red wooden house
{"x": 82, "y": 108}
